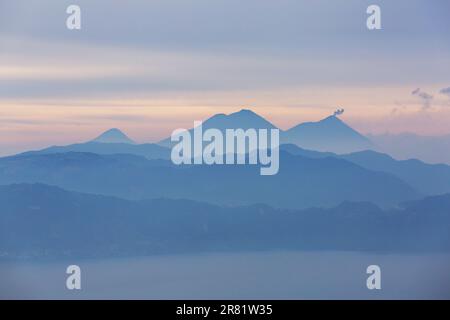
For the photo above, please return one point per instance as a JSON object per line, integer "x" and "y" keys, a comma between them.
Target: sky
{"x": 149, "y": 67}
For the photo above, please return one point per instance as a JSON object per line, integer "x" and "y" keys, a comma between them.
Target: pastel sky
{"x": 149, "y": 67}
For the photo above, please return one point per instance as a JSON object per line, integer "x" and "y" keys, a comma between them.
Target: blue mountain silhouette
{"x": 301, "y": 182}
{"x": 129, "y": 199}
{"x": 148, "y": 150}
{"x": 40, "y": 221}
{"x": 243, "y": 119}
{"x": 425, "y": 179}
{"x": 113, "y": 135}
{"x": 429, "y": 179}
{"x": 112, "y": 141}
{"x": 330, "y": 134}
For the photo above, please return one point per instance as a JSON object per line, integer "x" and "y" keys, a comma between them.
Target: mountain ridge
{"x": 113, "y": 135}
{"x": 326, "y": 135}
{"x": 38, "y": 221}
{"x": 330, "y": 134}
{"x": 242, "y": 119}
{"x": 427, "y": 178}
{"x": 305, "y": 181}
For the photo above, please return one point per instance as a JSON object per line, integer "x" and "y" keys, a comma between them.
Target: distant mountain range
{"x": 148, "y": 150}
{"x": 113, "y": 135}
{"x": 429, "y": 179}
{"x": 113, "y": 197}
{"x": 431, "y": 149}
{"x": 330, "y": 134}
{"x": 313, "y": 179}
{"x": 327, "y": 135}
{"x": 39, "y": 221}
{"x": 244, "y": 119}
{"x": 301, "y": 182}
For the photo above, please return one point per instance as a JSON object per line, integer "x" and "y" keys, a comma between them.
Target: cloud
{"x": 445, "y": 91}
{"x": 424, "y": 97}
{"x": 203, "y": 51}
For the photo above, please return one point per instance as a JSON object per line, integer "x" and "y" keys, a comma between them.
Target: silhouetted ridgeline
{"x": 427, "y": 178}
{"x": 301, "y": 182}
{"x": 317, "y": 201}
{"x": 41, "y": 221}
